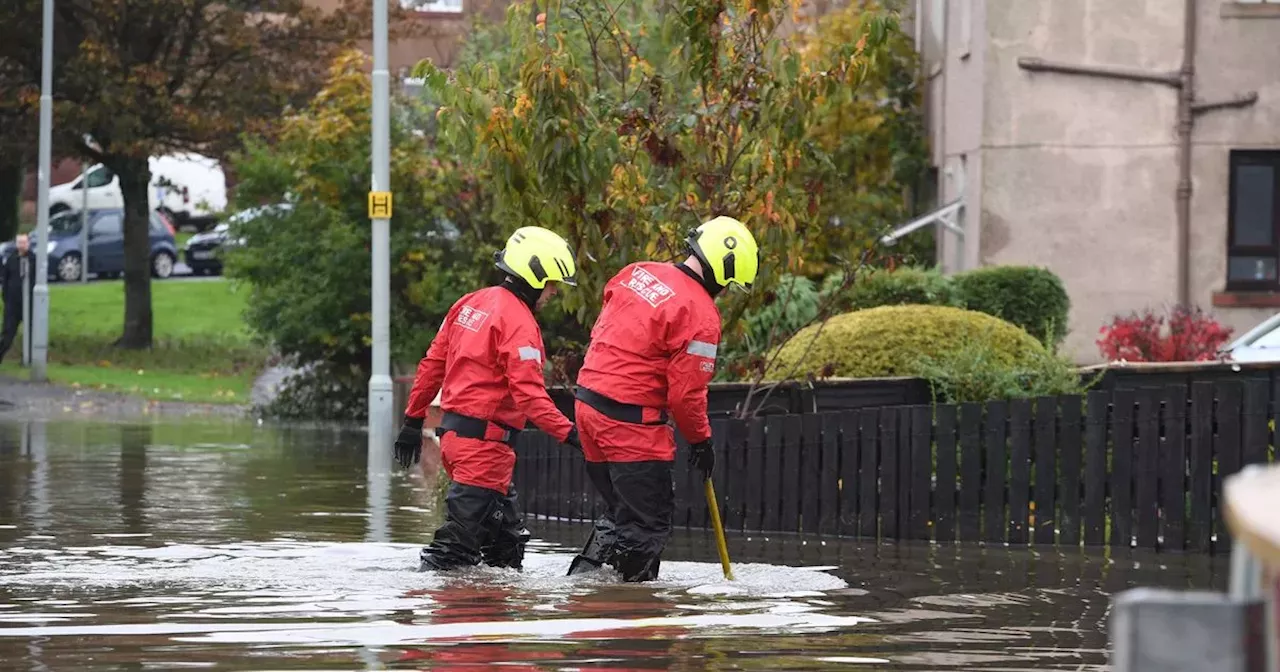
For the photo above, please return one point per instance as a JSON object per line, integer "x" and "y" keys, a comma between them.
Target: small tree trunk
{"x": 135, "y": 178}
{"x": 11, "y": 178}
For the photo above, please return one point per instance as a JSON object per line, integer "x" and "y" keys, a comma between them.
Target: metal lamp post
{"x": 381, "y": 420}
{"x": 39, "y": 326}
{"x": 84, "y": 215}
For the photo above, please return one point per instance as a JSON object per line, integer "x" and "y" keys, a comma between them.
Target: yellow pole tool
{"x": 719, "y": 529}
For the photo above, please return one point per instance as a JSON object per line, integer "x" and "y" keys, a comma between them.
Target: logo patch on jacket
{"x": 649, "y": 287}
{"x": 470, "y": 319}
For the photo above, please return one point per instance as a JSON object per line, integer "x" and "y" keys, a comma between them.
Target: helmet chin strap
{"x": 707, "y": 279}
{"x": 522, "y": 290}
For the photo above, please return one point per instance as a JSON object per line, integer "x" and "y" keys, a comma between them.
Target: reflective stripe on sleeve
{"x": 530, "y": 354}
{"x": 702, "y": 349}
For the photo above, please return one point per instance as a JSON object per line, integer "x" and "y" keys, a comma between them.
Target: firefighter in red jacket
{"x": 486, "y": 362}
{"x": 652, "y": 353}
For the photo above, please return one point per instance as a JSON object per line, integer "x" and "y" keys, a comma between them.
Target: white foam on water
{"x": 384, "y": 633}
{"x": 35, "y": 617}
{"x": 288, "y": 566}
{"x": 310, "y": 593}
{"x": 854, "y": 660}
{"x": 717, "y": 590}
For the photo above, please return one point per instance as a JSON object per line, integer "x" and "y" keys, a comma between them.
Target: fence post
{"x": 993, "y": 500}
{"x": 944, "y": 496}
{"x": 1045, "y": 433}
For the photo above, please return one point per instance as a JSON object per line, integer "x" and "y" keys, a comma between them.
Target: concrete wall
{"x": 960, "y": 166}
{"x": 1079, "y": 174}
{"x": 1235, "y": 54}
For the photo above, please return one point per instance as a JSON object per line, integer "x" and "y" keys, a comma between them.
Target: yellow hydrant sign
{"x": 379, "y": 205}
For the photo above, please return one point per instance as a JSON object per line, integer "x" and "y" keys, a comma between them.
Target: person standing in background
{"x": 16, "y": 273}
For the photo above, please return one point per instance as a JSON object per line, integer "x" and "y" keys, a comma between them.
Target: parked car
{"x": 190, "y": 187}
{"x": 106, "y": 245}
{"x": 1259, "y": 344}
{"x": 203, "y": 251}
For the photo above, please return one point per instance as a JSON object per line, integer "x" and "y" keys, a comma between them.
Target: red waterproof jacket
{"x": 655, "y": 344}
{"x": 488, "y": 358}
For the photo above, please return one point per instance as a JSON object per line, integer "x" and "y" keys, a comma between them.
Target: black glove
{"x": 409, "y": 443}
{"x": 572, "y": 440}
{"x": 703, "y": 457}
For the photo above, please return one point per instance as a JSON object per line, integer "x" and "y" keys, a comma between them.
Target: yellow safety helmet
{"x": 726, "y": 247}
{"x": 538, "y": 256}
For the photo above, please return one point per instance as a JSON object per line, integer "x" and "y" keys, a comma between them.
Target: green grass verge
{"x": 202, "y": 350}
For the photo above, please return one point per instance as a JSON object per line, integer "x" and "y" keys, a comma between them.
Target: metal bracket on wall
{"x": 948, "y": 217}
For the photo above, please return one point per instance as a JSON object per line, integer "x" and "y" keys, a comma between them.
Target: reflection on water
{"x": 200, "y": 545}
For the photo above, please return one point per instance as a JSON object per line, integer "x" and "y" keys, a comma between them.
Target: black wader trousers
{"x": 480, "y": 525}
{"x": 631, "y": 535}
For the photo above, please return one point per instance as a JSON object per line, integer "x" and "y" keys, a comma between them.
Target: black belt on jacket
{"x": 616, "y": 409}
{"x": 467, "y": 427}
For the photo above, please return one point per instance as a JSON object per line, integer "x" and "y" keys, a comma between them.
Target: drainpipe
{"x": 1188, "y": 109}
{"x": 1186, "y": 100}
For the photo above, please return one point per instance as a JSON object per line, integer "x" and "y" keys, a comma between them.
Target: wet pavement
{"x": 226, "y": 545}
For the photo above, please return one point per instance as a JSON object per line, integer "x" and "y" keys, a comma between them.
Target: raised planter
{"x": 1153, "y": 375}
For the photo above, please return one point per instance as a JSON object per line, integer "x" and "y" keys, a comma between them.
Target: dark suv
{"x": 203, "y": 251}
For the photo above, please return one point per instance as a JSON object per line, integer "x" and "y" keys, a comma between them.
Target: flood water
{"x": 238, "y": 546}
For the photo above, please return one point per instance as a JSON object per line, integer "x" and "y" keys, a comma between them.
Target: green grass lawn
{"x": 203, "y": 351}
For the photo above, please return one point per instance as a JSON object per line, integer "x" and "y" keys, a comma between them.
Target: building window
{"x": 1253, "y": 230}
{"x": 442, "y": 6}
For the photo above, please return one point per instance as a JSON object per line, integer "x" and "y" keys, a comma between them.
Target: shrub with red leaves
{"x": 1185, "y": 335}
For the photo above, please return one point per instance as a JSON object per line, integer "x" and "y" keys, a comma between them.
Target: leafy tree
{"x": 17, "y": 144}
{"x": 622, "y": 123}
{"x": 307, "y": 270}
{"x": 149, "y": 77}
{"x": 875, "y": 133}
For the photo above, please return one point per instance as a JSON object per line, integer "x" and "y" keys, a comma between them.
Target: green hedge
{"x": 889, "y": 341}
{"x": 966, "y": 355}
{"x": 1030, "y": 297}
{"x": 908, "y": 285}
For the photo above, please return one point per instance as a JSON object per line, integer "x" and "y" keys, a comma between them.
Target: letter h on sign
{"x": 379, "y": 205}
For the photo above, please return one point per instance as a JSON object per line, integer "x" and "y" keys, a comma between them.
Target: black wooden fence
{"x": 1119, "y": 468}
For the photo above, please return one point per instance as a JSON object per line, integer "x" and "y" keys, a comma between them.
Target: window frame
{"x": 1253, "y": 157}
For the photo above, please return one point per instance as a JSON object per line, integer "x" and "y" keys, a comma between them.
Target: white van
{"x": 189, "y": 187}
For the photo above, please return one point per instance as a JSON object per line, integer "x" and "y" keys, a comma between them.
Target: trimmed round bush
{"x": 902, "y": 341}
{"x": 1030, "y": 297}
{"x": 907, "y": 285}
